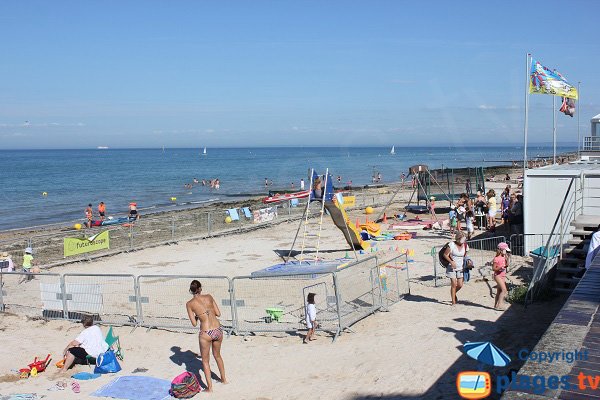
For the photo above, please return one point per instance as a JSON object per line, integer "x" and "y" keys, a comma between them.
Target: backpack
{"x": 441, "y": 257}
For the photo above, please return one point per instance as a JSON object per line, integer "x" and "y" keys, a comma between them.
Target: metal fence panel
{"x": 150, "y": 231}
{"x": 358, "y": 291}
{"x": 108, "y": 298}
{"x": 254, "y": 296}
{"x": 33, "y": 295}
{"x": 481, "y": 251}
{"x": 394, "y": 279}
{"x": 49, "y": 249}
{"x": 520, "y": 242}
{"x": 162, "y": 300}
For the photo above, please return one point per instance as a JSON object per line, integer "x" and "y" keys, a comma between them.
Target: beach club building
{"x": 561, "y": 210}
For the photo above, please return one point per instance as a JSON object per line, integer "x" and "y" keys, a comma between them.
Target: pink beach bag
{"x": 185, "y": 386}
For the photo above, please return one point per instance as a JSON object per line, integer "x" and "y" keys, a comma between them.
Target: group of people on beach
{"x": 481, "y": 211}
{"x": 458, "y": 265}
{"x": 132, "y": 214}
{"x": 28, "y": 266}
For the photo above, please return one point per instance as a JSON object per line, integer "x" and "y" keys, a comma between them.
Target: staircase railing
{"x": 553, "y": 250}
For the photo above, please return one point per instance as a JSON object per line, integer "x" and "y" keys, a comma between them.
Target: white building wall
{"x": 541, "y": 202}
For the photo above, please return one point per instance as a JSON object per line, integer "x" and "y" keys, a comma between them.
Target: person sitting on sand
{"x": 204, "y": 308}
{"x": 455, "y": 255}
{"x": 89, "y": 342}
{"x": 500, "y": 264}
{"x": 311, "y": 317}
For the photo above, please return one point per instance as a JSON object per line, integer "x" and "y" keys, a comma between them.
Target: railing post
{"x": 234, "y": 318}
{"x": 338, "y": 301}
{"x": 131, "y": 236}
{"x": 208, "y": 224}
{"x": 407, "y": 274}
{"x": 138, "y": 300}
{"x": 63, "y": 294}
{"x": 173, "y": 228}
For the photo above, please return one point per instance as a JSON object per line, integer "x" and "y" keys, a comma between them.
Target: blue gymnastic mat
{"x": 135, "y": 387}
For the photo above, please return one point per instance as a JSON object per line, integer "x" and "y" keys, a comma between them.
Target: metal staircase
{"x": 571, "y": 267}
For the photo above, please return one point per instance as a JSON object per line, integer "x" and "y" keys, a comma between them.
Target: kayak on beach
{"x": 286, "y": 196}
{"x": 107, "y": 222}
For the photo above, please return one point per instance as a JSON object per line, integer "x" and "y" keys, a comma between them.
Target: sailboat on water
{"x": 204, "y": 151}
{"x": 393, "y": 151}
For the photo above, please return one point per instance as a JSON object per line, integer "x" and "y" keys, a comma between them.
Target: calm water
{"x": 74, "y": 178}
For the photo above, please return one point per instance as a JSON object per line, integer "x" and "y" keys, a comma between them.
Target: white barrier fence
{"x": 247, "y": 304}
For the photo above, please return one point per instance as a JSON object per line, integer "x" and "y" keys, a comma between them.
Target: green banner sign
{"x": 75, "y": 246}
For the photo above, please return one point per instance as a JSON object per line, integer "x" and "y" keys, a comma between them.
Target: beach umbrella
{"x": 486, "y": 353}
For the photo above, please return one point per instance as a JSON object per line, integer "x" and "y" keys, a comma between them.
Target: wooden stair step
{"x": 571, "y": 280}
{"x": 572, "y": 260}
{"x": 568, "y": 270}
{"x": 576, "y": 252}
{"x": 577, "y": 242}
{"x": 581, "y": 232}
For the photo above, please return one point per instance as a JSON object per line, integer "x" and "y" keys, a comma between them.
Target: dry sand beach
{"x": 411, "y": 351}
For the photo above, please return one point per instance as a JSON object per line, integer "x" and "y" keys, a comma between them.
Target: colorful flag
{"x": 568, "y": 107}
{"x": 543, "y": 80}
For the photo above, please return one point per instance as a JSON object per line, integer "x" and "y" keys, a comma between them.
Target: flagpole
{"x": 553, "y": 129}
{"x": 578, "y": 112}
{"x": 527, "y": 68}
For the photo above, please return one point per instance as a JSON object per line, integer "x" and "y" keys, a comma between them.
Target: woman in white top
{"x": 89, "y": 342}
{"x": 492, "y": 208}
{"x": 455, "y": 255}
{"x": 311, "y": 317}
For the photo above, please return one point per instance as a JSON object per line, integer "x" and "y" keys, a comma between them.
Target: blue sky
{"x": 254, "y": 73}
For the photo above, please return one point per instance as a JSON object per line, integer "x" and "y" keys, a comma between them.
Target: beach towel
{"x": 20, "y": 396}
{"x": 135, "y": 387}
{"x": 233, "y": 213}
{"x": 247, "y": 212}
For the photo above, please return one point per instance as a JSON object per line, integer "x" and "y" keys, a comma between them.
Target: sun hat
{"x": 503, "y": 246}
{"x": 28, "y": 250}
{"x": 432, "y": 198}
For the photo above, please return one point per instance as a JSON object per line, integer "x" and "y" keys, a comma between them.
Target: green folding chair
{"x": 111, "y": 340}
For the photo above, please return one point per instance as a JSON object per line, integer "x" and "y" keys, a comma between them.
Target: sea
{"x": 40, "y": 187}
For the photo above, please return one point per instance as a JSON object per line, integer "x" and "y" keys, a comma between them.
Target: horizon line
{"x": 504, "y": 145}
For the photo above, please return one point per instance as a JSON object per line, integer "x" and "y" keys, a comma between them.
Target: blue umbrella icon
{"x": 486, "y": 353}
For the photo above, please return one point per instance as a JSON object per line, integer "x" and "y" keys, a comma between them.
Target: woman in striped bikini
{"x": 203, "y": 308}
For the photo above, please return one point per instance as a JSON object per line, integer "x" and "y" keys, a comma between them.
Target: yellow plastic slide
{"x": 340, "y": 219}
